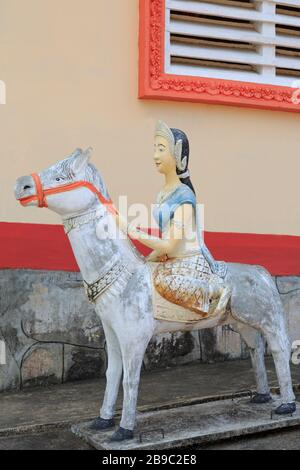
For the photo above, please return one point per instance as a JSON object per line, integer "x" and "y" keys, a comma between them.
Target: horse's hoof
{"x": 260, "y": 398}
{"x": 286, "y": 409}
{"x": 100, "y": 424}
{"x": 122, "y": 435}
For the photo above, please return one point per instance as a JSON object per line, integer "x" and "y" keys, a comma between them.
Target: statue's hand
{"x": 152, "y": 256}
{"x": 158, "y": 258}
{"x": 162, "y": 258}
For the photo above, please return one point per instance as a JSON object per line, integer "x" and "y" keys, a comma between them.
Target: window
{"x": 243, "y": 52}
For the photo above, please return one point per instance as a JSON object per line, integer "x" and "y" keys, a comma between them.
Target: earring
{"x": 181, "y": 164}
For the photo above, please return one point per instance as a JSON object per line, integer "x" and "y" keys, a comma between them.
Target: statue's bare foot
{"x": 100, "y": 424}
{"x": 260, "y": 398}
{"x": 122, "y": 435}
{"x": 286, "y": 409}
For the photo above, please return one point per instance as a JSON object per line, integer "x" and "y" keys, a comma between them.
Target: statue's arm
{"x": 182, "y": 217}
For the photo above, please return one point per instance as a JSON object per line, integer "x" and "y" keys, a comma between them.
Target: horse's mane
{"x": 93, "y": 176}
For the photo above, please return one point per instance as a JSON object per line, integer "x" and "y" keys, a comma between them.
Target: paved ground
{"x": 53, "y": 440}
{"x": 35, "y": 413}
{"x": 285, "y": 440}
{"x": 65, "y": 440}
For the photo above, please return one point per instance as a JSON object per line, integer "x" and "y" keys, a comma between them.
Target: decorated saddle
{"x": 185, "y": 290}
{"x": 193, "y": 281}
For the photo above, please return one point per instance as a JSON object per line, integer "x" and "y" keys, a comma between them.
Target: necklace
{"x": 163, "y": 195}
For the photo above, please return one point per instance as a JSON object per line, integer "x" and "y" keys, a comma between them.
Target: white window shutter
{"x": 246, "y": 40}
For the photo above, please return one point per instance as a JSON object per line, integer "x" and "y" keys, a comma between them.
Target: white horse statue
{"x": 118, "y": 279}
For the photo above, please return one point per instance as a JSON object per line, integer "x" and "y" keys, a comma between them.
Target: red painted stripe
{"x": 280, "y": 254}
{"x": 35, "y": 246}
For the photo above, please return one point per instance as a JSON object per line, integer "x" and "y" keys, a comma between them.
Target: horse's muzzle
{"x": 24, "y": 188}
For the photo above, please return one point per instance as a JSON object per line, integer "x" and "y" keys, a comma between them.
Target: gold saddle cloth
{"x": 184, "y": 289}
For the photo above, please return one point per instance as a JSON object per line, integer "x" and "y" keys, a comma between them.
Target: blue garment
{"x": 165, "y": 211}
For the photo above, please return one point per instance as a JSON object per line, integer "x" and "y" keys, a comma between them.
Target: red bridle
{"x": 41, "y": 193}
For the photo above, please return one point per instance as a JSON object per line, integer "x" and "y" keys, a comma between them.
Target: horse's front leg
{"x": 133, "y": 354}
{"x": 113, "y": 379}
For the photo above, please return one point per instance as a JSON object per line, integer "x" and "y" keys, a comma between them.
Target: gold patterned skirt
{"x": 189, "y": 282}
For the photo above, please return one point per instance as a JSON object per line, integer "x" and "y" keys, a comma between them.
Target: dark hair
{"x": 180, "y": 135}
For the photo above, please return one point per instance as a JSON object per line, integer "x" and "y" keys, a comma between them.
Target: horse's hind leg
{"x": 280, "y": 347}
{"x": 113, "y": 379}
{"x": 255, "y": 343}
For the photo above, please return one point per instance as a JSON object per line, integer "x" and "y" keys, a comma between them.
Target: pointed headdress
{"x": 162, "y": 130}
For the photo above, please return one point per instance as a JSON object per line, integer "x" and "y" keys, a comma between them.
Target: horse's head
{"x": 71, "y": 186}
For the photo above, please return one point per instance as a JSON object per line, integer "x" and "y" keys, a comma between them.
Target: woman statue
{"x": 187, "y": 274}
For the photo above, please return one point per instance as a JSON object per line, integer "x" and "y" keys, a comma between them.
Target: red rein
{"x": 41, "y": 193}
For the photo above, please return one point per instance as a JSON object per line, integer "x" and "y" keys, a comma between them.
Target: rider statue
{"x": 186, "y": 272}
{"x": 136, "y": 299}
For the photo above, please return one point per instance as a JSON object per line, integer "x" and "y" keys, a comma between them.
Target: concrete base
{"x": 195, "y": 424}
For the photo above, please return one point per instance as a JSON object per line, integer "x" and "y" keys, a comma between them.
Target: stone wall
{"x": 52, "y": 334}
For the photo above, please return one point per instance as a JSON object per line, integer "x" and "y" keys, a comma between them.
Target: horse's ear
{"x": 76, "y": 152}
{"x": 89, "y": 152}
{"x": 81, "y": 160}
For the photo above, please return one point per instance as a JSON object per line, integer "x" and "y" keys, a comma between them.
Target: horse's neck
{"x": 93, "y": 251}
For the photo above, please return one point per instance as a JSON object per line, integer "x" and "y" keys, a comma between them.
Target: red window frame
{"x": 154, "y": 83}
